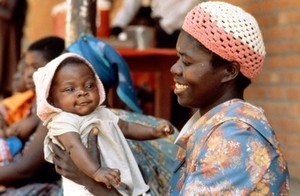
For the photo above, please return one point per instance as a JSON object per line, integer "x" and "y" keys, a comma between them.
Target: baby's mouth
{"x": 83, "y": 103}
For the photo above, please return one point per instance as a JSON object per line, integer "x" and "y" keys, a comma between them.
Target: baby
{"x": 69, "y": 98}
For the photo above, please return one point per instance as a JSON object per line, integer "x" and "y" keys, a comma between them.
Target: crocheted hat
{"x": 228, "y": 31}
{"x": 43, "y": 79}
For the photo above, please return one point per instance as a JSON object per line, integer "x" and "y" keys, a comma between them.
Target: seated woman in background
{"x": 13, "y": 109}
{"x": 29, "y": 173}
{"x": 155, "y": 157}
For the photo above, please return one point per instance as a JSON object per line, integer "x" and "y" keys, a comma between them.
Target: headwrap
{"x": 109, "y": 65}
{"x": 229, "y": 32}
{"x": 43, "y": 79}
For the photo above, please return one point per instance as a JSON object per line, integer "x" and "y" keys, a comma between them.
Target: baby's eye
{"x": 69, "y": 89}
{"x": 89, "y": 85}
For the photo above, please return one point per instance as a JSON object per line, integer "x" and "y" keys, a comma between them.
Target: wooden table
{"x": 159, "y": 62}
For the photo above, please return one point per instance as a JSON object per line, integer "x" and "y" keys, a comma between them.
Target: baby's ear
{"x": 231, "y": 72}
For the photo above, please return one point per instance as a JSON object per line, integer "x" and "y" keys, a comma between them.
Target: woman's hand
{"x": 65, "y": 167}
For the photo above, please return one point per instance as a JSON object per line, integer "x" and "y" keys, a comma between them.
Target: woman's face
{"x": 197, "y": 83}
{"x": 33, "y": 61}
{"x": 18, "y": 83}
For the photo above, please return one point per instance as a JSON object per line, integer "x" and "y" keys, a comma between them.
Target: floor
{"x": 295, "y": 187}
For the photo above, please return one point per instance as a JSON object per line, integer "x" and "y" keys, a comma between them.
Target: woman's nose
{"x": 176, "y": 69}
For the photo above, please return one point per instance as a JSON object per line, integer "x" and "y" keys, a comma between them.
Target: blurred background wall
{"x": 276, "y": 89}
{"x": 39, "y": 20}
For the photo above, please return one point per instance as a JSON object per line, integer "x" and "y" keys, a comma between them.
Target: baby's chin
{"x": 83, "y": 113}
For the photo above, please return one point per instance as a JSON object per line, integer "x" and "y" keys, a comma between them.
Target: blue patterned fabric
{"x": 155, "y": 158}
{"x": 110, "y": 67}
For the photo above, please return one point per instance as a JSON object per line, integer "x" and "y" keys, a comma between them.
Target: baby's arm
{"x": 141, "y": 132}
{"x": 80, "y": 156}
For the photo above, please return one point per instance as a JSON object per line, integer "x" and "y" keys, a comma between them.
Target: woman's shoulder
{"x": 244, "y": 116}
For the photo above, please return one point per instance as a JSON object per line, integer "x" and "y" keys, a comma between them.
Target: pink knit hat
{"x": 228, "y": 31}
{"x": 43, "y": 79}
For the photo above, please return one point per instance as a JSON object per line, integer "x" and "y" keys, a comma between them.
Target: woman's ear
{"x": 231, "y": 72}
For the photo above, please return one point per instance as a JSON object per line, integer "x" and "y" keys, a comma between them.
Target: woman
{"x": 30, "y": 174}
{"x": 227, "y": 146}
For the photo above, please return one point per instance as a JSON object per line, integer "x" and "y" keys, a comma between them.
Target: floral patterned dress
{"x": 231, "y": 150}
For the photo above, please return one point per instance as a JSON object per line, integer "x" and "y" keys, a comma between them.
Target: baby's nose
{"x": 82, "y": 92}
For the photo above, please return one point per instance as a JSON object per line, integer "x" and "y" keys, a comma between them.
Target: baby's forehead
{"x": 74, "y": 67}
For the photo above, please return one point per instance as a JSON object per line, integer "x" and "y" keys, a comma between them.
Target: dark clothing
{"x": 12, "y": 20}
{"x": 165, "y": 40}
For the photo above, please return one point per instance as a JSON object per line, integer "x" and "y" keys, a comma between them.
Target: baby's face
{"x": 74, "y": 89}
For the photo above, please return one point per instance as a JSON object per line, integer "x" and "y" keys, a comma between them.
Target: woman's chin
{"x": 182, "y": 102}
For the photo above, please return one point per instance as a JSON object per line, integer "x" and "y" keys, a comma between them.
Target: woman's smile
{"x": 179, "y": 88}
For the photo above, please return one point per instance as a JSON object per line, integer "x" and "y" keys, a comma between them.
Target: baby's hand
{"x": 163, "y": 129}
{"x": 108, "y": 176}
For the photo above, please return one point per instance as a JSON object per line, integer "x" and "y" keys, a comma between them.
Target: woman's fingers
{"x": 93, "y": 144}
{"x": 57, "y": 151}
{"x": 108, "y": 176}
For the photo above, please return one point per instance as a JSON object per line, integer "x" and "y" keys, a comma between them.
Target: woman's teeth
{"x": 180, "y": 86}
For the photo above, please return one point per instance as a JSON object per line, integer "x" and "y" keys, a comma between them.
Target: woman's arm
{"x": 66, "y": 167}
{"x": 23, "y": 128}
{"x": 31, "y": 162}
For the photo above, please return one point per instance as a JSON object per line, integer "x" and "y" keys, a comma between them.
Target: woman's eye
{"x": 185, "y": 63}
